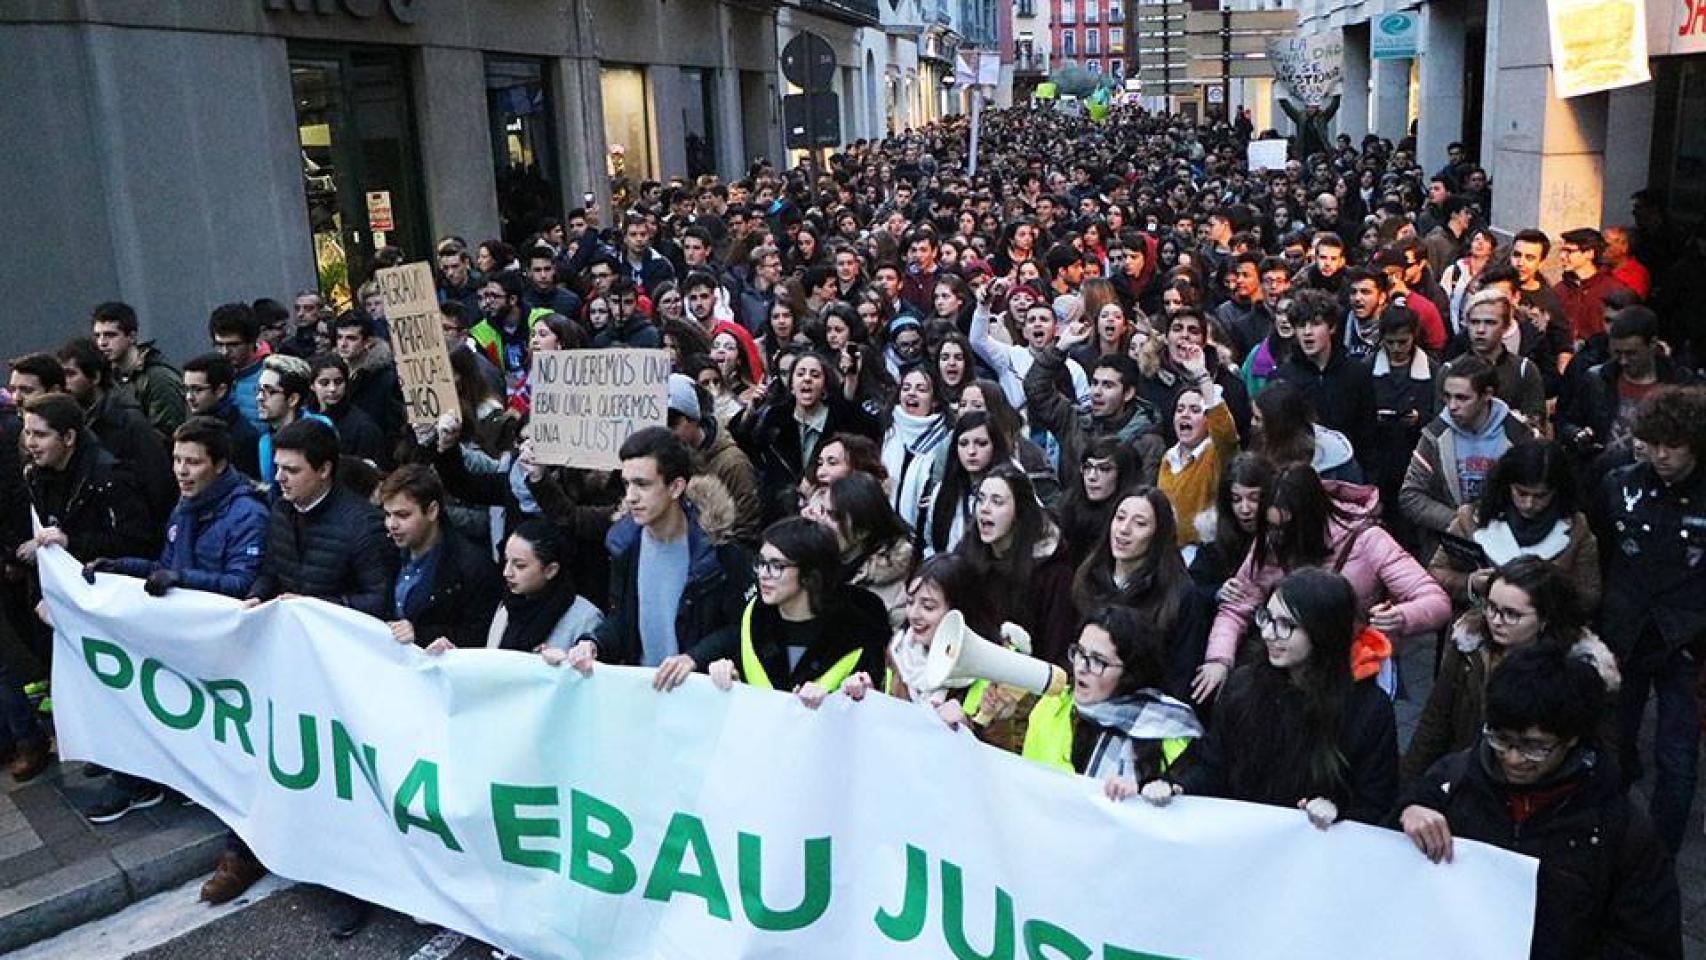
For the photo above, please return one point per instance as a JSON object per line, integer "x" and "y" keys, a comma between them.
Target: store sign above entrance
{"x": 1395, "y": 36}
{"x": 403, "y": 11}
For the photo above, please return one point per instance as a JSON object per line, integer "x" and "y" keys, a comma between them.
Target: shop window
{"x": 627, "y": 130}
{"x": 524, "y": 147}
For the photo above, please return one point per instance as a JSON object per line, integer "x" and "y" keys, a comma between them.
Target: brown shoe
{"x": 235, "y": 873}
{"x": 32, "y": 758}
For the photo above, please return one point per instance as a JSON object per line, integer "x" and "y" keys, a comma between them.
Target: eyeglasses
{"x": 1504, "y": 615}
{"x": 266, "y": 391}
{"x": 1094, "y": 664}
{"x": 770, "y": 569}
{"x": 1281, "y": 627}
{"x": 1527, "y": 750}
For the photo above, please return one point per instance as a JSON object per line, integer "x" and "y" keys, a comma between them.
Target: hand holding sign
{"x": 586, "y": 402}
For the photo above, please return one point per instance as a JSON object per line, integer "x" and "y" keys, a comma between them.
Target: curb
{"x": 105, "y": 884}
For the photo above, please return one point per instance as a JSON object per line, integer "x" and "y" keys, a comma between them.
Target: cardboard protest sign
{"x": 417, "y": 342}
{"x": 1312, "y": 67}
{"x": 586, "y": 402}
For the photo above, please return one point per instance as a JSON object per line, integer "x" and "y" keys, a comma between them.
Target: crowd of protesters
{"x": 1217, "y": 442}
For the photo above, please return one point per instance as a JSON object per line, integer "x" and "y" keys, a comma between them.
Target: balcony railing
{"x": 1031, "y": 63}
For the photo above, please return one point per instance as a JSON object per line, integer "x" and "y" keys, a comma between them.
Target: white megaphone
{"x": 959, "y": 654}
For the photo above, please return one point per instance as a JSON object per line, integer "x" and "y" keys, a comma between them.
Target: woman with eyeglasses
{"x": 1108, "y": 468}
{"x": 1296, "y": 728}
{"x": 1115, "y": 723}
{"x": 806, "y": 631}
{"x": 1528, "y": 602}
{"x": 1528, "y": 508}
{"x": 1136, "y": 564}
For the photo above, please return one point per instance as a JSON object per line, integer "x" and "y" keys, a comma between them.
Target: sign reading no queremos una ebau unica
{"x": 417, "y": 342}
{"x": 561, "y": 816}
{"x": 586, "y": 402}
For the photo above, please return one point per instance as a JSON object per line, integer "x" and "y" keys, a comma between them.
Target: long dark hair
{"x": 1000, "y": 410}
{"x": 1540, "y": 463}
{"x": 956, "y": 483}
{"x": 1288, "y": 425}
{"x": 864, "y": 516}
{"x": 1245, "y": 470}
{"x": 1030, "y": 526}
{"x": 1305, "y": 537}
{"x": 1325, "y": 607}
{"x": 1162, "y": 581}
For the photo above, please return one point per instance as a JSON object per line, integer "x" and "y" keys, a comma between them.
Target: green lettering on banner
{"x": 954, "y": 919}
{"x": 813, "y": 901}
{"x": 1111, "y": 952}
{"x": 308, "y": 736}
{"x": 237, "y": 714}
{"x": 422, "y": 779}
{"x": 610, "y": 845}
{"x": 123, "y": 670}
{"x": 1041, "y": 935}
{"x": 909, "y": 923}
{"x": 687, "y": 832}
{"x": 512, "y": 828}
{"x": 151, "y": 670}
{"x": 344, "y": 755}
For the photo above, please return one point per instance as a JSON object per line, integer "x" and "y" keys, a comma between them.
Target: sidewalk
{"x": 57, "y": 870}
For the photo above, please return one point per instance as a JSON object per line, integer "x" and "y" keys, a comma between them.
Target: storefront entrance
{"x": 360, "y": 166}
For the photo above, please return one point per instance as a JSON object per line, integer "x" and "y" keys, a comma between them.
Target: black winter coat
{"x": 95, "y": 503}
{"x": 1653, "y": 542}
{"x": 1342, "y": 395}
{"x": 1606, "y": 887}
{"x": 852, "y": 619}
{"x": 771, "y": 440}
{"x": 117, "y": 421}
{"x": 337, "y": 552}
{"x": 1257, "y": 747}
{"x": 461, "y": 598}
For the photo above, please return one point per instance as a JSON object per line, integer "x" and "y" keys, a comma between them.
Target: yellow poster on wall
{"x": 1597, "y": 45}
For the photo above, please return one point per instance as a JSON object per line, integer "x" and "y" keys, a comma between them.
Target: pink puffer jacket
{"x": 1377, "y": 567}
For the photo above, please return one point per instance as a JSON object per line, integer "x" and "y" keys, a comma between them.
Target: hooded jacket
{"x": 214, "y": 541}
{"x": 1457, "y": 705}
{"x": 157, "y": 387}
{"x": 719, "y": 576}
{"x": 124, "y": 432}
{"x": 1451, "y": 464}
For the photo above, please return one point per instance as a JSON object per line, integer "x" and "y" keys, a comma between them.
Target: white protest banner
{"x": 1687, "y": 32}
{"x": 1266, "y": 155}
{"x": 586, "y": 402}
{"x": 1597, "y": 45}
{"x": 561, "y": 816}
{"x": 1312, "y": 67}
{"x": 417, "y": 342}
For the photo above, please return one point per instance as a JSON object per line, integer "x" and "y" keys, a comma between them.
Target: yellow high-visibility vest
{"x": 753, "y": 670}
{"x": 1048, "y": 737}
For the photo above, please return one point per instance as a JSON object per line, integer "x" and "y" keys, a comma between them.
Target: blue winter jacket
{"x": 215, "y": 540}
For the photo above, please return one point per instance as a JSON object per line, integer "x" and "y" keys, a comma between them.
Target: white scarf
{"x": 909, "y": 658}
{"x": 916, "y": 438}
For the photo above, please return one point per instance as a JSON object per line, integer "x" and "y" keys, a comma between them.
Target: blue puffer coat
{"x": 214, "y": 541}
